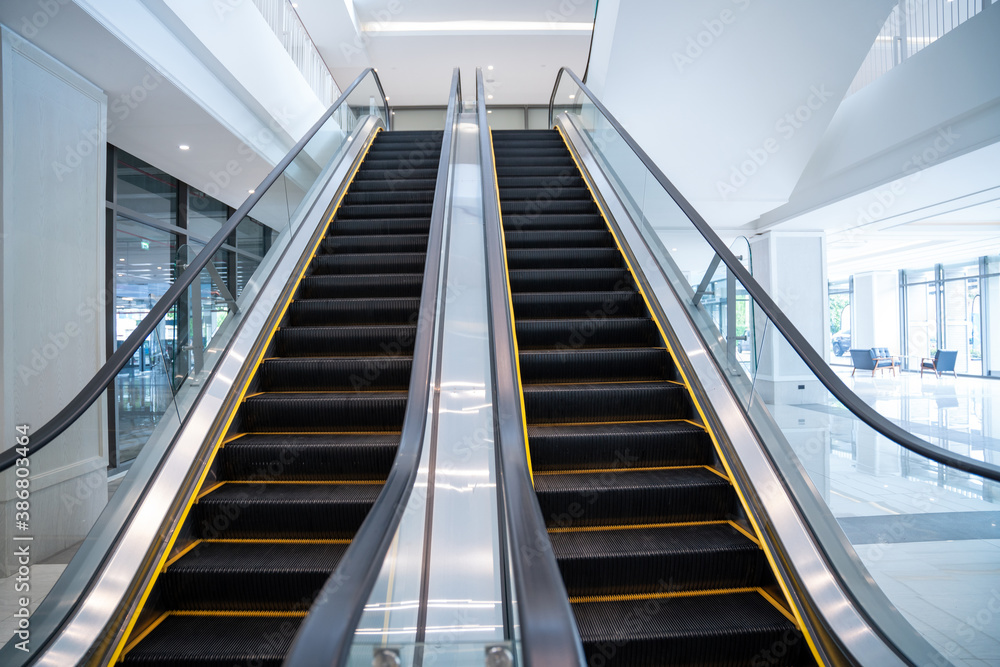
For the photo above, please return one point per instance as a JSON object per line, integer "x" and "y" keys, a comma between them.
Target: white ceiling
{"x": 415, "y": 52}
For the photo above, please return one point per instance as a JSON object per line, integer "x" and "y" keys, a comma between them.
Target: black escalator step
{"x": 556, "y": 222}
{"x": 598, "y": 330}
{"x": 216, "y": 641}
{"x": 358, "y": 263}
{"x": 395, "y": 177}
{"x": 361, "y": 286}
{"x": 571, "y": 280}
{"x": 376, "y": 243}
{"x": 605, "y": 402}
{"x": 403, "y": 136}
{"x": 541, "y": 193}
{"x": 285, "y": 511}
{"x": 734, "y": 629}
{"x": 547, "y": 207}
{"x": 304, "y": 312}
{"x": 559, "y": 239}
{"x": 375, "y": 226}
{"x": 569, "y": 181}
{"x": 635, "y": 561}
{"x": 336, "y": 374}
{"x": 328, "y": 341}
{"x": 315, "y": 456}
{"x": 401, "y": 185}
{"x": 355, "y": 211}
{"x": 564, "y": 258}
{"x": 530, "y": 151}
{"x": 403, "y": 167}
{"x": 612, "y": 446}
{"x": 549, "y": 305}
{"x": 537, "y": 171}
{"x": 543, "y": 161}
{"x": 334, "y": 411}
{"x": 634, "y": 497}
{"x": 595, "y": 365}
{"x": 385, "y": 197}
{"x": 255, "y": 576}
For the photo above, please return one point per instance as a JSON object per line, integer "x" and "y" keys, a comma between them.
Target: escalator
{"x": 643, "y": 520}
{"x": 315, "y": 434}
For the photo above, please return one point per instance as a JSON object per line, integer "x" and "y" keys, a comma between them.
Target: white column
{"x": 876, "y": 311}
{"x": 791, "y": 266}
{"x": 51, "y": 290}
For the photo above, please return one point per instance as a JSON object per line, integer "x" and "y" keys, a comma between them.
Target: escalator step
{"x": 605, "y": 402}
{"x": 402, "y": 185}
{"x": 397, "y": 197}
{"x": 352, "y": 311}
{"x": 598, "y": 330}
{"x": 564, "y": 258}
{"x": 634, "y": 561}
{"x": 569, "y": 222}
{"x": 332, "y": 374}
{"x": 530, "y": 208}
{"x": 395, "y": 176}
{"x": 356, "y": 211}
{"x": 361, "y": 285}
{"x": 595, "y": 365}
{"x": 380, "y": 226}
{"x": 572, "y": 181}
{"x": 605, "y": 446}
{"x": 255, "y": 576}
{"x": 387, "y": 339}
{"x": 543, "y": 193}
{"x": 327, "y": 457}
{"x": 216, "y": 641}
{"x": 516, "y": 162}
{"x": 570, "y": 280}
{"x": 358, "y": 263}
{"x": 737, "y": 629}
{"x": 559, "y": 239}
{"x": 634, "y": 497}
{"x": 548, "y": 305}
{"x": 375, "y": 243}
{"x": 313, "y": 412}
{"x": 314, "y": 511}
{"x": 538, "y": 171}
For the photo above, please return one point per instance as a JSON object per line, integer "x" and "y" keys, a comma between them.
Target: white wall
{"x": 711, "y": 89}
{"x": 52, "y": 289}
{"x": 876, "y": 311}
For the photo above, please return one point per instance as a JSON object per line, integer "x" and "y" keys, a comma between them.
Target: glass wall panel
{"x": 145, "y": 189}
{"x": 841, "y": 314}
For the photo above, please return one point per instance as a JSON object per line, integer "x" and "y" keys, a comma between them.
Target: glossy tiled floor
{"x": 927, "y": 534}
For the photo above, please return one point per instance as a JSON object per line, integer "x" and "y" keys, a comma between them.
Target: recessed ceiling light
{"x": 184, "y": 147}
{"x": 386, "y": 98}
{"x": 673, "y": 250}
{"x": 121, "y": 259}
{"x": 489, "y": 97}
{"x": 121, "y": 275}
{"x": 160, "y": 267}
{"x": 250, "y": 191}
{"x": 489, "y": 67}
{"x": 489, "y": 111}
{"x": 295, "y": 5}
{"x": 572, "y": 97}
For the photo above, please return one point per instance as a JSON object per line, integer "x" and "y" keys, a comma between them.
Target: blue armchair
{"x": 874, "y": 359}
{"x": 943, "y": 361}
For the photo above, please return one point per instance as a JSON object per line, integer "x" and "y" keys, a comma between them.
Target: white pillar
{"x": 791, "y": 266}
{"x": 876, "y": 311}
{"x": 52, "y": 227}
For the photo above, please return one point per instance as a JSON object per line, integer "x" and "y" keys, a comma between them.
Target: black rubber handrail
{"x": 97, "y": 385}
{"x": 802, "y": 347}
{"x": 327, "y": 633}
{"x": 549, "y": 636}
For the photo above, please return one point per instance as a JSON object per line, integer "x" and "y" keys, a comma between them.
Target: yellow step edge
{"x": 207, "y": 490}
{"x": 183, "y": 552}
{"x": 323, "y": 433}
{"x": 320, "y": 482}
{"x": 638, "y": 526}
{"x": 613, "y": 423}
{"x": 601, "y": 471}
{"x": 566, "y": 384}
{"x": 780, "y": 607}
{"x": 116, "y": 655}
{"x": 276, "y": 541}
{"x": 145, "y": 633}
{"x": 662, "y": 596}
{"x": 232, "y": 439}
{"x": 799, "y": 621}
{"x": 242, "y": 614}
